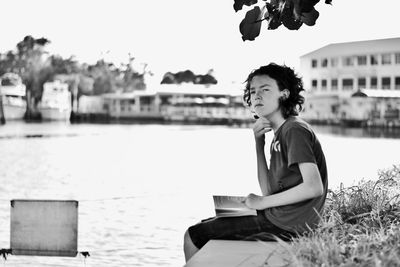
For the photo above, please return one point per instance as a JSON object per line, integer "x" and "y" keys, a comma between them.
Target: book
{"x": 232, "y": 206}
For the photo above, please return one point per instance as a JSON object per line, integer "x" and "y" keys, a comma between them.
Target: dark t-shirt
{"x": 295, "y": 142}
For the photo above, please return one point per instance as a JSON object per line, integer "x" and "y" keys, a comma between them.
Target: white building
{"x": 343, "y": 68}
{"x": 355, "y": 81}
{"x": 171, "y": 102}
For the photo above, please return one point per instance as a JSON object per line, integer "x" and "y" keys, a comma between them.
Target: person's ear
{"x": 285, "y": 94}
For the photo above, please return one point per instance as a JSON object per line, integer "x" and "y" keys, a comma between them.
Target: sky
{"x": 177, "y": 35}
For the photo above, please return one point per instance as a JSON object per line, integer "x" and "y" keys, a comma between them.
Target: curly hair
{"x": 286, "y": 78}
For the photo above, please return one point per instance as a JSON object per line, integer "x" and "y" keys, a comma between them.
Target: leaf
{"x": 275, "y": 3}
{"x": 296, "y": 9}
{"x": 274, "y": 21}
{"x": 42, "y": 41}
{"x": 238, "y": 5}
{"x": 307, "y": 5}
{"x": 288, "y": 18}
{"x": 270, "y": 7}
{"x": 291, "y": 23}
{"x": 251, "y": 24}
{"x": 310, "y": 18}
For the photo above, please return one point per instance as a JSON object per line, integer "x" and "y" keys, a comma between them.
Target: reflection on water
{"x": 374, "y": 132}
{"x": 140, "y": 186}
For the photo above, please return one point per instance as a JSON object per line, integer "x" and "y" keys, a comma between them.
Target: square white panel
{"x": 44, "y": 227}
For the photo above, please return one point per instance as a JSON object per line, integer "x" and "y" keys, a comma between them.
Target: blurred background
{"x": 135, "y": 110}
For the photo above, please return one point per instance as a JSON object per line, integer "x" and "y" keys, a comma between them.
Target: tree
{"x": 131, "y": 79}
{"x": 189, "y": 77}
{"x": 104, "y": 75}
{"x": 291, "y": 13}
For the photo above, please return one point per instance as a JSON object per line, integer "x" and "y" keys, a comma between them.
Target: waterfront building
{"x": 321, "y": 108}
{"x": 207, "y": 103}
{"x": 343, "y": 68}
{"x": 173, "y": 102}
{"x": 131, "y": 105}
{"x": 353, "y": 82}
{"x": 91, "y": 105}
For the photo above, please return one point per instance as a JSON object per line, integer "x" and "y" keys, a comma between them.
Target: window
{"x": 362, "y": 83}
{"x": 314, "y": 84}
{"x": 374, "y": 60}
{"x": 324, "y": 63}
{"x": 385, "y": 82}
{"x": 334, "y": 62}
{"x": 334, "y": 84}
{"x": 397, "y": 58}
{"x": 362, "y": 60}
{"x": 347, "y": 84}
{"x": 386, "y": 59}
{"x": 397, "y": 83}
{"x": 374, "y": 83}
{"x": 314, "y": 63}
{"x": 323, "y": 84}
{"x": 348, "y": 61}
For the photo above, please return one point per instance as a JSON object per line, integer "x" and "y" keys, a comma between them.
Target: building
{"x": 356, "y": 82}
{"x": 343, "y": 68}
{"x": 171, "y": 102}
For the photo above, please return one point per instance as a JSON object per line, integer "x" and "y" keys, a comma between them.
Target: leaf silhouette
{"x": 310, "y": 18}
{"x": 308, "y": 5}
{"x": 238, "y": 5}
{"x": 274, "y": 21}
{"x": 288, "y": 18}
{"x": 296, "y": 8}
{"x": 291, "y": 13}
{"x": 251, "y": 24}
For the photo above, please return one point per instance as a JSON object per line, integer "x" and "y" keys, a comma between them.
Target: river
{"x": 140, "y": 186}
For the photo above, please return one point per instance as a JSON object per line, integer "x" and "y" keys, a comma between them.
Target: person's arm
{"x": 261, "y": 127}
{"x": 262, "y": 170}
{"x": 311, "y": 187}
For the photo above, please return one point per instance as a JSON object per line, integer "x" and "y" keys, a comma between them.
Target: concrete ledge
{"x": 226, "y": 253}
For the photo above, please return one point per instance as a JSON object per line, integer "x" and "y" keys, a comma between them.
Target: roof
{"x": 357, "y": 47}
{"x": 189, "y": 88}
{"x": 382, "y": 93}
{"x": 185, "y": 88}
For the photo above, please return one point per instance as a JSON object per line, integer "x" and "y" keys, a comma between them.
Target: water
{"x": 140, "y": 186}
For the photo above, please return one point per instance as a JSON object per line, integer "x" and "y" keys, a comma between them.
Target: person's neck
{"x": 276, "y": 119}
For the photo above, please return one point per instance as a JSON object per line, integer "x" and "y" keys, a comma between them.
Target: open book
{"x": 230, "y": 206}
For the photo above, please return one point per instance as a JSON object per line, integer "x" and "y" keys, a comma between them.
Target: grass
{"x": 360, "y": 227}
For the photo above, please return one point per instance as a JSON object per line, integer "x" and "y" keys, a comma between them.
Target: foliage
{"x": 360, "y": 227}
{"x": 35, "y": 66}
{"x": 188, "y": 76}
{"x": 291, "y": 13}
{"x": 131, "y": 79}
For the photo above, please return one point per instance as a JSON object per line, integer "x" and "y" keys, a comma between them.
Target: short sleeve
{"x": 299, "y": 142}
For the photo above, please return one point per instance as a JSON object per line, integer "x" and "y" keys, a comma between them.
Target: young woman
{"x": 293, "y": 185}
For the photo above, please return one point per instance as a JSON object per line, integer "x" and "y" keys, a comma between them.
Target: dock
{"x": 227, "y": 253}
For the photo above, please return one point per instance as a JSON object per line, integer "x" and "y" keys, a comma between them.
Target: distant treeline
{"x": 36, "y": 66}
{"x": 189, "y": 77}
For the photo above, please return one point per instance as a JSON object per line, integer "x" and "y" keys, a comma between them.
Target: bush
{"x": 360, "y": 227}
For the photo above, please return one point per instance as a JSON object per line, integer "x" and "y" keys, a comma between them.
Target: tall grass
{"x": 360, "y": 227}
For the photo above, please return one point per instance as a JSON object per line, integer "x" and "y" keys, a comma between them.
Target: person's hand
{"x": 260, "y": 128}
{"x": 254, "y": 201}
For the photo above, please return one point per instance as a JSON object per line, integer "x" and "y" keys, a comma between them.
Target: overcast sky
{"x": 175, "y": 35}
